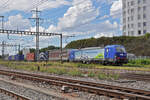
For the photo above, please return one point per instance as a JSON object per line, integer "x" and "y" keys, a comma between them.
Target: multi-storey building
{"x": 136, "y": 17}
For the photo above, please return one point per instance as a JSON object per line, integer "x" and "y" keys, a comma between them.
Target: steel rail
{"x": 125, "y": 89}
{"x": 100, "y": 89}
{"x": 141, "y": 77}
{"x": 13, "y": 94}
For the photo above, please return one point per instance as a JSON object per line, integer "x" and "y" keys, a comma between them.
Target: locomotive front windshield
{"x": 121, "y": 49}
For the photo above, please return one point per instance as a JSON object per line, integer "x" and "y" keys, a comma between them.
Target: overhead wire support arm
{"x": 27, "y": 33}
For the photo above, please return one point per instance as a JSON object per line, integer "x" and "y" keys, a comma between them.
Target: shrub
{"x": 140, "y": 62}
{"x": 91, "y": 74}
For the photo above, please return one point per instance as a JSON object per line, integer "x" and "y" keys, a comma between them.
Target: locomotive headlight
{"x": 121, "y": 54}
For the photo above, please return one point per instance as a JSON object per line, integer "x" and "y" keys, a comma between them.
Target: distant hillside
{"x": 49, "y": 48}
{"x": 32, "y": 50}
{"x": 139, "y": 46}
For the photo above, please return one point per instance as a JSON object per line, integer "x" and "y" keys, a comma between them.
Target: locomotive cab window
{"x": 107, "y": 50}
{"x": 120, "y": 49}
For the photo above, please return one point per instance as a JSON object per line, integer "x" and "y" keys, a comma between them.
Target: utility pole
{"x": 3, "y": 43}
{"x": 3, "y": 48}
{"x": 61, "y": 48}
{"x": 37, "y": 19}
{"x": 2, "y": 17}
{"x": 61, "y": 37}
{"x": 19, "y": 49}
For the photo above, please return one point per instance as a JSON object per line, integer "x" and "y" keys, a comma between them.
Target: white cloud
{"x": 104, "y": 35}
{"x": 41, "y": 29}
{"x": 54, "y": 4}
{"x": 105, "y": 1}
{"x": 82, "y": 12}
{"x": 78, "y": 20}
{"x": 27, "y": 5}
{"x": 17, "y": 22}
{"x": 116, "y": 9}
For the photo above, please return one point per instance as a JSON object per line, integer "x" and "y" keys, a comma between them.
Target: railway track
{"x": 91, "y": 87}
{"x": 14, "y": 95}
{"x": 140, "y": 77}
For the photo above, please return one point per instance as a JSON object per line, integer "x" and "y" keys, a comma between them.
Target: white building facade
{"x": 136, "y": 17}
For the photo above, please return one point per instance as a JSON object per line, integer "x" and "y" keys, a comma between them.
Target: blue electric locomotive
{"x": 111, "y": 54}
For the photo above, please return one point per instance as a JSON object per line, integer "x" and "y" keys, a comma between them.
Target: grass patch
{"x": 73, "y": 69}
{"x": 133, "y": 65}
{"x": 108, "y": 76}
{"x": 75, "y": 72}
{"x": 140, "y": 62}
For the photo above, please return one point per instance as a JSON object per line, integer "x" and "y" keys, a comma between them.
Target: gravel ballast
{"x": 5, "y": 97}
{"x": 122, "y": 83}
{"x": 34, "y": 95}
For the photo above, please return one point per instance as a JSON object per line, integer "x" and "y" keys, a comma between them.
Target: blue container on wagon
{"x": 10, "y": 58}
{"x": 19, "y": 57}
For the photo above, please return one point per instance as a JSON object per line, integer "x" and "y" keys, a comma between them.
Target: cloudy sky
{"x": 82, "y": 18}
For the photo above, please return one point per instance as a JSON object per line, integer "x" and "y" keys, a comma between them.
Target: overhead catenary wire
{"x": 5, "y": 4}
{"x": 85, "y": 23}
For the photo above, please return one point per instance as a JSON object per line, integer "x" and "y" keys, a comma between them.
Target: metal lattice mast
{"x": 2, "y": 17}
{"x": 37, "y": 33}
{"x": 3, "y": 49}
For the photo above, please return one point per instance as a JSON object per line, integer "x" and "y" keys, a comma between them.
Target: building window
{"x": 144, "y": 31}
{"x": 144, "y": 1}
{"x": 132, "y": 10}
{"x": 128, "y": 26}
{"x": 132, "y": 18}
{"x": 144, "y": 23}
{"x": 139, "y": 1}
{"x": 132, "y": 25}
{"x": 144, "y": 16}
{"x": 128, "y": 18}
{"x": 132, "y": 3}
{"x": 124, "y": 27}
{"x": 124, "y": 20}
{"x": 139, "y": 32}
{"x": 144, "y": 8}
{"x": 139, "y": 16}
{"x": 124, "y": 13}
{"x": 139, "y": 24}
{"x": 124, "y": 5}
{"x": 139, "y": 8}
{"x": 132, "y": 33}
{"x": 128, "y": 11}
{"x": 128, "y": 3}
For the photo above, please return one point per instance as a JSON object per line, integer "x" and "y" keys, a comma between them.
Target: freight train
{"x": 111, "y": 54}
{"x": 15, "y": 58}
